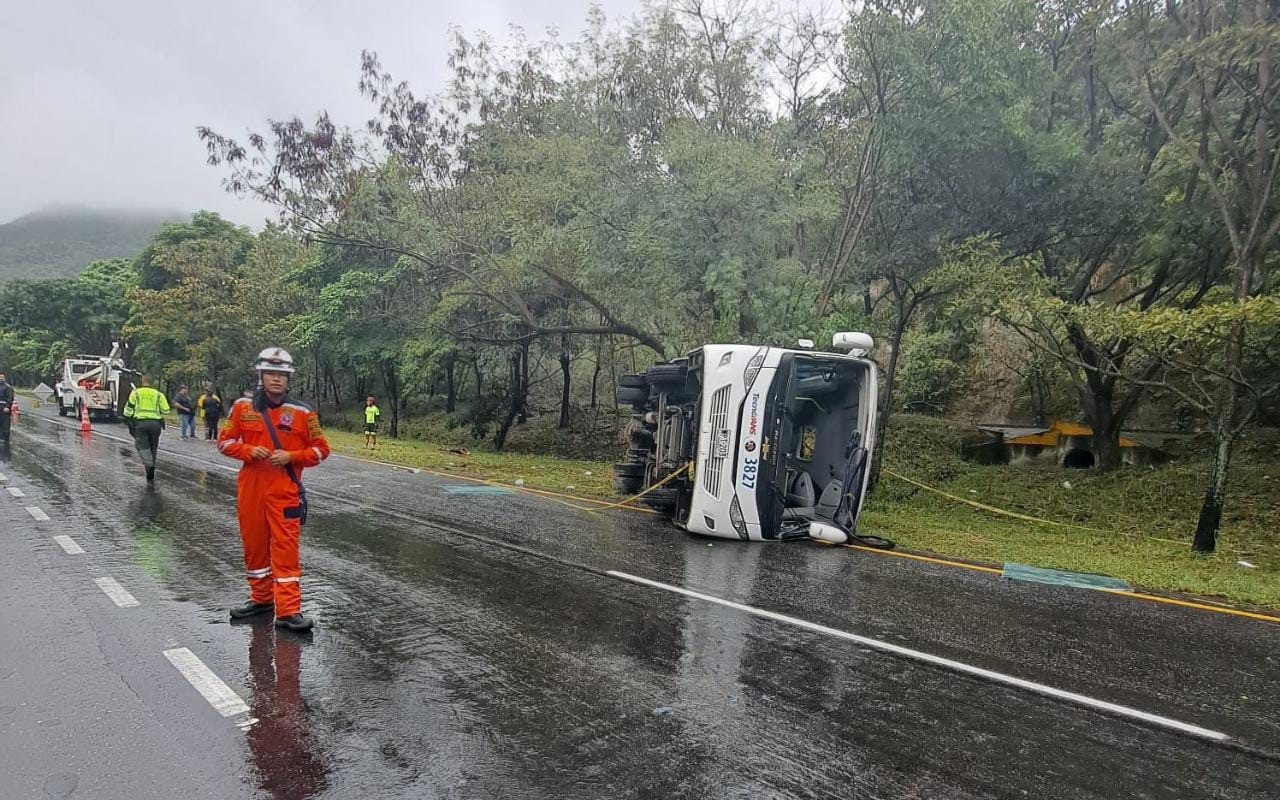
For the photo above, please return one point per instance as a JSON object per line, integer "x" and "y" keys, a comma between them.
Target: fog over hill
{"x": 58, "y": 242}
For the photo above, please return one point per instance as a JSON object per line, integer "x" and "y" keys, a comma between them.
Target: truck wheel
{"x": 667, "y": 378}
{"x": 663, "y": 499}
{"x": 628, "y": 477}
{"x": 632, "y": 382}
{"x": 62, "y": 410}
{"x": 632, "y": 396}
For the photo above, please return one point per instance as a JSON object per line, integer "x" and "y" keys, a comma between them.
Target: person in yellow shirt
{"x": 371, "y": 415}
{"x": 210, "y": 408}
{"x": 144, "y": 414}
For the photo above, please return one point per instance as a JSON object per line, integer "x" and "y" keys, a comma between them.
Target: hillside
{"x": 59, "y": 242}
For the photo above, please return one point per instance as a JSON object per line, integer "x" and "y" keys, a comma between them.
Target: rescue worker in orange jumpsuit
{"x": 276, "y": 437}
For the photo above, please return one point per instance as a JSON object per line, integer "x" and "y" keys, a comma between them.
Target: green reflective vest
{"x": 146, "y": 403}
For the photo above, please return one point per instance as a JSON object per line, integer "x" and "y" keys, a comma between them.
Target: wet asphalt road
{"x": 474, "y": 647}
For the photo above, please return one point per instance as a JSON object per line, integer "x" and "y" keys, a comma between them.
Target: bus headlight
{"x": 735, "y": 517}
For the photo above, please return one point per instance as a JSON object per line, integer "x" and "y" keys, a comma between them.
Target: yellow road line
{"x": 1235, "y": 612}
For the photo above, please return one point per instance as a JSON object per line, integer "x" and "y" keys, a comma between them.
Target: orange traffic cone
{"x": 85, "y": 427}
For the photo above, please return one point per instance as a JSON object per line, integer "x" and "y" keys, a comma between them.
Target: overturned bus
{"x": 754, "y": 443}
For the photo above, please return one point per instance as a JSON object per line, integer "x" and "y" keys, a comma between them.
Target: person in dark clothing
{"x": 210, "y": 404}
{"x": 186, "y": 407}
{"x": 6, "y": 408}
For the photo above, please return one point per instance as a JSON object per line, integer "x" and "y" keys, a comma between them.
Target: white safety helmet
{"x": 275, "y": 359}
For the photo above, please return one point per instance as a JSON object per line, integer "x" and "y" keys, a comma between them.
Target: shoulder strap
{"x": 275, "y": 441}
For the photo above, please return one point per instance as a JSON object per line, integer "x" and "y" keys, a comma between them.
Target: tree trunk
{"x": 513, "y": 409}
{"x": 450, "y": 389}
{"x": 886, "y": 394}
{"x": 595, "y": 377}
{"x": 1206, "y": 537}
{"x": 1039, "y": 400}
{"x": 564, "y": 382}
{"x": 522, "y": 393}
{"x": 334, "y": 389}
{"x": 475, "y": 365}
{"x": 393, "y": 393}
{"x": 1228, "y": 406}
{"x": 1097, "y": 399}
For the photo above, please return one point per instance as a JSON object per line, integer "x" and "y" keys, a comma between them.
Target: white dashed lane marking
{"x": 16, "y": 492}
{"x": 203, "y": 680}
{"x": 37, "y": 514}
{"x": 69, "y": 545}
{"x": 118, "y": 594}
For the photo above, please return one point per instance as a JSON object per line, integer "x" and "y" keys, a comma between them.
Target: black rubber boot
{"x": 296, "y": 622}
{"x": 151, "y": 474}
{"x": 250, "y": 609}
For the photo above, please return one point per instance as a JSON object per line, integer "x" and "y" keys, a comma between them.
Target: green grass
{"x": 1135, "y": 507}
{"x": 579, "y": 477}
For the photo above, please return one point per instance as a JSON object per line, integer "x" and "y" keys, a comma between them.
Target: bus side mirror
{"x": 854, "y": 343}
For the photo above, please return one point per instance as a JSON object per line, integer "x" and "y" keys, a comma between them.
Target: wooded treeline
{"x": 1092, "y": 183}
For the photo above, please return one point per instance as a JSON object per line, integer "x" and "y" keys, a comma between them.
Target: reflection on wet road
{"x": 474, "y": 646}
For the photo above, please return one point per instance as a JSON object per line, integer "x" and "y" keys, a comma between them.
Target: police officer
{"x": 275, "y": 437}
{"x": 144, "y": 413}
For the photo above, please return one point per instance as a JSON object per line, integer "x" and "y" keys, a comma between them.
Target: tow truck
{"x": 754, "y": 442}
{"x": 95, "y": 383}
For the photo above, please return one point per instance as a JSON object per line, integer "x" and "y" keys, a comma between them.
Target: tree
{"x": 1222, "y": 64}
{"x": 46, "y": 321}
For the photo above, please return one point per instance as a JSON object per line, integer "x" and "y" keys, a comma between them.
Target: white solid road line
{"x": 16, "y": 492}
{"x": 69, "y": 545}
{"x": 118, "y": 594}
{"x": 37, "y": 514}
{"x": 2, "y": 477}
{"x": 210, "y": 686}
{"x": 946, "y": 663}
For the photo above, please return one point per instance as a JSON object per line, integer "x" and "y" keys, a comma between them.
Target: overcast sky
{"x": 99, "y": 101}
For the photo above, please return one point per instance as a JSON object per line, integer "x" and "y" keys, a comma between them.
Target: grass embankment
{"x": 1134, "y": 507}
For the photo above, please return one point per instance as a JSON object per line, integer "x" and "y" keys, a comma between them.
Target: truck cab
{"x": 94, "y": 383}
{"x": 753, "y": 442}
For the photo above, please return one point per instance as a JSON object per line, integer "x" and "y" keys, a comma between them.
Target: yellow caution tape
{"x": 657, "y": 485}
{"x": 1015, "y": 515}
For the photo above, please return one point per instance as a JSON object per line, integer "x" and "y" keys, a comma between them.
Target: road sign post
{"x": 42, "y": 393}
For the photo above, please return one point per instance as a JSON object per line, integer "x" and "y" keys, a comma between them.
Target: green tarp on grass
{"x": 474, "y": 488}
{"x": 1057, "y": 577}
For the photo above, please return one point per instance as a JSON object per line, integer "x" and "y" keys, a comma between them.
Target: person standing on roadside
{"x": 186, "y": 407}
{"x": 276, "y": 438}
{"x": 6, "y": 409}
{"x": 144, "y": 414}
{"x": 371, "y": 415}
{"x": 210, "y": 404}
